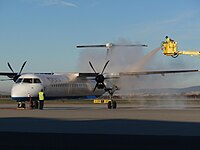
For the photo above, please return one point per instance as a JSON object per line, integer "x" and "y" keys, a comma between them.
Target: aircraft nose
{"x": 22, "y": 90}
{"x": 16, "y": 91}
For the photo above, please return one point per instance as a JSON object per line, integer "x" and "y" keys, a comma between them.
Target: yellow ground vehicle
{"x": 170, "y": 49}
{"x": 99, "y": 101}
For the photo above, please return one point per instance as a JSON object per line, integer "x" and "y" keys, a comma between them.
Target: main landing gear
{"x": 112, "y": 104}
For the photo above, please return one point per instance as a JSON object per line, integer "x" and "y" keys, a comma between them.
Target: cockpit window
{"x": 19, "y": 80}
{"x": 27, "y": 80}
{"x": 36, "y": 80}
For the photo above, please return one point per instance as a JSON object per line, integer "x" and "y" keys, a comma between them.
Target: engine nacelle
{"x": 109, "y": 45}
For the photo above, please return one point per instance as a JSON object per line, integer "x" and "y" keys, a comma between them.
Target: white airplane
{"x": 68, "y": 85}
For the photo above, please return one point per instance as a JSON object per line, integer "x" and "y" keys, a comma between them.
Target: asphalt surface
{"x": 93, "y": 126}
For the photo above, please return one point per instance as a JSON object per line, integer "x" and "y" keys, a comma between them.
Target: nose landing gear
{"x": 21, "y": 105}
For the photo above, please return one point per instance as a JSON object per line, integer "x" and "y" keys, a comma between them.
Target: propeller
{"x": 99, "y": 77}
{"x": 109, "y": 46}
{"x": 15, "y": 77}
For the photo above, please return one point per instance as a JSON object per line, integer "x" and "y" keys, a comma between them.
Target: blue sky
{"x": 46, "y": 32}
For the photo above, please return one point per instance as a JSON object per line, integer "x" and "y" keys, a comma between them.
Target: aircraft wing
{"x": 155, "y": 72}
{"x": 8, "y": 74}
{"x": 136, "y": 73}
{"x": 84, "y": 46}
{"x": 84, "y": 75}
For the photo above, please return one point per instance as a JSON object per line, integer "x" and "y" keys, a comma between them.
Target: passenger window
{"x": 36, "y": 80}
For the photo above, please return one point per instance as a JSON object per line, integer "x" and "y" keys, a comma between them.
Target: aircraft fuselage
{"x": 55, "y": 86}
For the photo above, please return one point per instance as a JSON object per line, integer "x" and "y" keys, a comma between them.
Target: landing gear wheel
{"x": 21, "y": 105}
{"x": 114, "y": 104}
{"x": 109, "y": 105}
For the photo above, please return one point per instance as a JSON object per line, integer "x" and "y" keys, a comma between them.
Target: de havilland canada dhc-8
{"x": 68, "y": 85}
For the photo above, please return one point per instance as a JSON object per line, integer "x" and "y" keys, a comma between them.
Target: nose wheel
{"x": 21, "y": 105}
{"x": 112, "y": 104}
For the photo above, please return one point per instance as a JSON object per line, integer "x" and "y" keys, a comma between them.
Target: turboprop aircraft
{"x": 68, "y": 85}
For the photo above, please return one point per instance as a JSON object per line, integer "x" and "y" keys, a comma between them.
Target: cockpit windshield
{"x": 28, "y": 80}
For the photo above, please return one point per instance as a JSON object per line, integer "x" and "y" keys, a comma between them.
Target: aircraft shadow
{"x": 39, "y": 133}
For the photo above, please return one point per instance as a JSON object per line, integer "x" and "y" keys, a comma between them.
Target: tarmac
{"x": 93, "y": 126}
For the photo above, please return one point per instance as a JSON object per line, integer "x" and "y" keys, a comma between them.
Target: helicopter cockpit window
{"x": 19, "y": 80}
{"x": 27, "y": 80}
